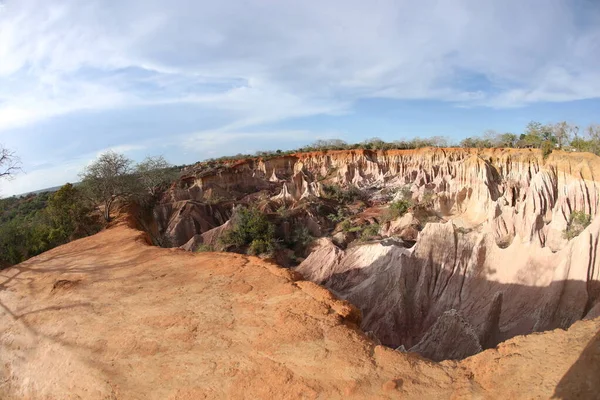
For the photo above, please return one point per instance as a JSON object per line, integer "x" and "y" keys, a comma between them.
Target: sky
{"x": 195, "y": 79}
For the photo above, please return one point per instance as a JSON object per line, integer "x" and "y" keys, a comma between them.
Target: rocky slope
{"x": 110, "y": 317}
{"x": 489, "y": 259}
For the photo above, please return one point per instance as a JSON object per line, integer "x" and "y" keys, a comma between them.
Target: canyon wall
{"x": 499, "y": 257}
{"x": 495, "y": 265}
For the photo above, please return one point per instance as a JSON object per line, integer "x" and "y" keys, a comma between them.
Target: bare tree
{"x": 439, "y": 141}
{"x": 154, "y": 173}
{"x": 9, "y": 163}
{"x": 564, "y": 132}
{"x": 108, "y": 179}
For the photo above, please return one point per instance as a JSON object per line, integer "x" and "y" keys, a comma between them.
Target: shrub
{"x": 339, "y": 216}
{"x": 261, "y": 246}
{"x": 346, "y": 225}
{"x": 397, "y": 209}
{"x": 32, "y": 224}
{"x": 341, "y": 195}
{"x": 369, "y": 231}
{"x": 283, "y": 211}
{"x": 203, "y": 248}
{"x": 578, "y": 221}
{"x": 547, "y": 148}
{"x": 250, "y": 227}
{"x": 301, "y": 236}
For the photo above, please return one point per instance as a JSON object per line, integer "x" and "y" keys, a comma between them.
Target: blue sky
{"x": 196, "y": 79}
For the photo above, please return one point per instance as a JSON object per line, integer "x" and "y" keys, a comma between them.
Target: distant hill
{"x": 47, "y": 190}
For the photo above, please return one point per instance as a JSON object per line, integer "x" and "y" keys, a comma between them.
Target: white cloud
{"x": 53, "y": 175}
{"x": 288, "y": 58}
{"x": 213, "y": 141}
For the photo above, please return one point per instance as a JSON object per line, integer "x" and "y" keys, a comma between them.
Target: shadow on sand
{"x": 582, "y": 380}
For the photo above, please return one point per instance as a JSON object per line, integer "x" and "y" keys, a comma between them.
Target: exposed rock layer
{"x": 499, "y": 256}
{"x": 506, "y": 212}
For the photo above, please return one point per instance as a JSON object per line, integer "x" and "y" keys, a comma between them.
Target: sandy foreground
{"x": 110, "y": 317}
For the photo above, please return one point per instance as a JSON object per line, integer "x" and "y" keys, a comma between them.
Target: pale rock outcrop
{"x": 500, "y": 258}
{"x": 450, "y": 338}
{"x": 401, "y": 226}
{"x": 500, "y": 292}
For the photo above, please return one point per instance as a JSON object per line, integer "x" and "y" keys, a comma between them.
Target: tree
{"x": 9, "y": 163}
{"x": 154, "y": 174}
{"x": 508, "y": 140}
{"x": 108, "y": 179}
{"x": 68, "y": 214}
{"x": 593, "y": 132}
{"x": 439, "y": 141}
{"x": 329, "y": 144}
{"x": 374, "y": 143}
{"x": 562, "y": 131}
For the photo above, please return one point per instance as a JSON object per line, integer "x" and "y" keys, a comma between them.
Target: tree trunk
{"x": 107, "y": 206}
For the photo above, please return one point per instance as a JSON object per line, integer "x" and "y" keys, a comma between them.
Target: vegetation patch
{"x": 369, "y": 232}
{"x": 251, "y": 229}
{"x": 396, "y": 210}
{"x": 33, "y": 224}
{"x": 341, "y": 195}
{"x": 203, "y": 248}
{"x": 302, "y": 236}
{"x": 578, "y": 221}
{"x": 340, "y": 215}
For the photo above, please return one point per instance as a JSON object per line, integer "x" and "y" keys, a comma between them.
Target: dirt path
{"x": 109, "y": 317}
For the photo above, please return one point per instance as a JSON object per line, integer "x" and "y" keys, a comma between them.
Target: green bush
{"x": 547, "y": 148}
{"x": 341, "y": 195}
{"x": 578, "y": 221}
{"x": 346, "y": 225}
{"x": 203, "y": 248}
{"x": 369, "y": 232}
{"x": 261, "y": 246}
{"x": 397, "y": 209}
{"x": 250, "y": 227}
{"x": 339, "y": 216}
{"x": 301, "y": 236}
{"x": 283, "y": 211}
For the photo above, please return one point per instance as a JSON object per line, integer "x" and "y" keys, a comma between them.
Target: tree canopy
{"x": 108, "y": 179}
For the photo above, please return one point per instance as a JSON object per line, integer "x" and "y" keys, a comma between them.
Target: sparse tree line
{"x": 113, "y": 177}
{"x": 561, "y": 135}
{"x": 546, "y": 137}
{"x": 32, "y": 224}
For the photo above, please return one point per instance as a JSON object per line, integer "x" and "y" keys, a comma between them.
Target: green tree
{"x": 593, "y": 133}
{"x": 68, "y": 212}
{"x": 508, "y": 140}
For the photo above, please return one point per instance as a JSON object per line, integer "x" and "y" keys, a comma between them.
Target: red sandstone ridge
{"x": 109, "y": 317}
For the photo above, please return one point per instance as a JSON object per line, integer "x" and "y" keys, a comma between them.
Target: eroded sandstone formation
{"x": 496, "y": 254}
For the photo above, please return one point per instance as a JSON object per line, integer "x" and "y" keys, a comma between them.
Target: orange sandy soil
{"x": 110, "y": 317}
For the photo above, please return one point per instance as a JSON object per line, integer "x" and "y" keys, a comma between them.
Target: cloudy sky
{"x": 192, "y": 79}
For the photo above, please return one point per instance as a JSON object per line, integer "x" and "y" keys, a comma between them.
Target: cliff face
{"x": 518, "y": 190}
{"x": 497, "y": 254}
